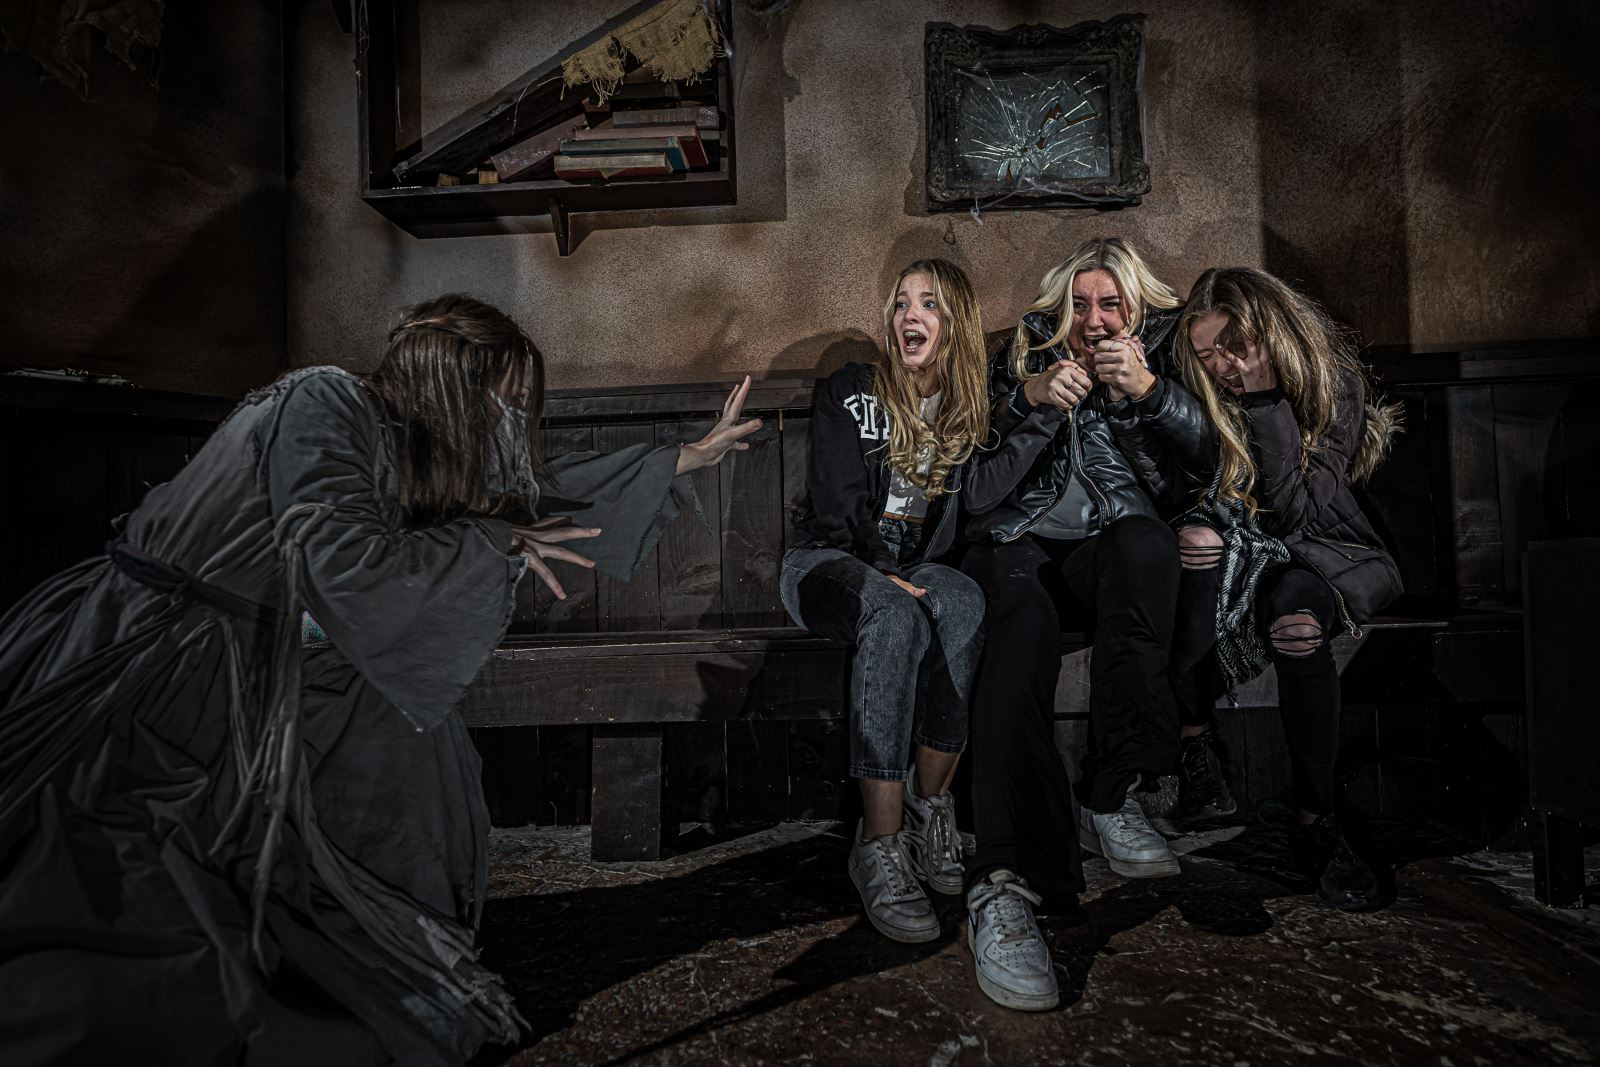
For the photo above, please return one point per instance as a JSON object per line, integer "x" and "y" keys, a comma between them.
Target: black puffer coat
{"x": 1313, "y": 511}
{"x": 1132, "y": 457}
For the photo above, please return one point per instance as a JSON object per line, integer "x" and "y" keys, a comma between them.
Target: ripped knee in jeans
{"x": 1199, "y": 548}
{"x": 1296, "y": 635}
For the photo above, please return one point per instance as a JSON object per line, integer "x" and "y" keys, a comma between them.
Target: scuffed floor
{"x": 753, "y": 950}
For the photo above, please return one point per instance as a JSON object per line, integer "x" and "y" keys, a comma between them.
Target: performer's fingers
{"x": 735, "y": 404}
{"x": 547, "y": 523}
{"x": 551, "y": 535}
{"x": 568, "y": 533}
{"x": 557, "y": 552}
{"x": 546, "y": 575}
{"x": 744, "y": 429}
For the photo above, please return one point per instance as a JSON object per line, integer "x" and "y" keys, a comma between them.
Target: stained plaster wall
{"x": 1424, "y": 167}
{"x": 142, "y": 230}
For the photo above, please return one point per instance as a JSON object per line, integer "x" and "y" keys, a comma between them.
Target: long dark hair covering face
{"x": 436, "y": 391}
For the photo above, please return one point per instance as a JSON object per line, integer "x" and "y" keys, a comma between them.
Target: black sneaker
{"x": 1202, "y": 788}
{"x": 1343, "y": 879}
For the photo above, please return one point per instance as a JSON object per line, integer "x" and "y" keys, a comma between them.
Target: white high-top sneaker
{"x": 895, "y": 903}
{"x": 1126, "y": 840}
{"x": 932, "y": 839}
{"x": 1013, "y": 962}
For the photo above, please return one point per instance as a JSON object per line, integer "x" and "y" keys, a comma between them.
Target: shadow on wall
{"x": 821, "y": 354}
{"x": 1333, "y": 188}
{"x": 145, "y": 226}
{"x": 225, "y": 288}
{"x": 1503, "y": 130}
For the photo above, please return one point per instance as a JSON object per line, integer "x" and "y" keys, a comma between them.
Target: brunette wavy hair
{"x": 963, "y": 418}
{"x": 435, "y": 387}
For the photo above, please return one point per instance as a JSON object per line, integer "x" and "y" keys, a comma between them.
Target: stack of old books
{"x": 639, "y": 143}
{"x": 626, "y": 144}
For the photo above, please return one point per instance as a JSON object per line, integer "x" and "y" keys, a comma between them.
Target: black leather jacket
{"x": 1142, "y": 457}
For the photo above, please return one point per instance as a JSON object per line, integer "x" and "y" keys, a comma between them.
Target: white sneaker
{"x": 932, "y": 839}
{"x": 895, "y": 903}
{"x": 1013, "y": 961}
{"x": 1127, "y": 841}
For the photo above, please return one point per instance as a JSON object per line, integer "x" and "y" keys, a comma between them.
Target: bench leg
{"x": 1557, "y": 861}
{"x": 626, "y": 810}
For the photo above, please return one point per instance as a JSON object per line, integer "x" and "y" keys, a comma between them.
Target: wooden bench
{"x": 629, "y": 687}
{"x": 684, "y": 673}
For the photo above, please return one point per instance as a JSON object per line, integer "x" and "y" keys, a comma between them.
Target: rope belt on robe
{"x": 165, "y": 578}
{"x": 438, "y": 958}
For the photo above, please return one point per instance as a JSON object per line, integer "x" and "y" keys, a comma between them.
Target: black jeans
{"x": 1308, "y": 685}
{"x": 1123, "y": 585}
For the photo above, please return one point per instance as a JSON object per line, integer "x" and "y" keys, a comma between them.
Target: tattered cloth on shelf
{"x": 676, "y": 39}
{"x": 60, "y": 34}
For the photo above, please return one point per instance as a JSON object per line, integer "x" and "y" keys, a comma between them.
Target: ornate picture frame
{"x": 1036, "y": 116}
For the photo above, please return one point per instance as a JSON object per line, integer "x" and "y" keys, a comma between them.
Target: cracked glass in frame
{"x": 1032, "y": 129}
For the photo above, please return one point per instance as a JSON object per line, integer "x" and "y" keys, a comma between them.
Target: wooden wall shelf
{"x": 387, "y": 101}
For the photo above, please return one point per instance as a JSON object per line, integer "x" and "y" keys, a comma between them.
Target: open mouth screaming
{"x": 912, "y": 342}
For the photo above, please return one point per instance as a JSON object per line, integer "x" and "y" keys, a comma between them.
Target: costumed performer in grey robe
{"x": 210, "y": 856}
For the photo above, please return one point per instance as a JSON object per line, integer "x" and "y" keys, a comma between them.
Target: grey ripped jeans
{"x": 915, "y": 659}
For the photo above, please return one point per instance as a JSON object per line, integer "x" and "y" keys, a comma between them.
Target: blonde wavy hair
{"x": 963, "y": 418}
{"x": 1137, "y": 284}
{"x": 1310, "y": 353}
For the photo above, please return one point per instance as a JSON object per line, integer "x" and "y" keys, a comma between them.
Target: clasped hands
{"x": 1116, "y": 361}
{"x": 541, "y": 541}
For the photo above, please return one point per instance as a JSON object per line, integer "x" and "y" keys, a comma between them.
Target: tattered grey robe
{"x": 138, "y": 715}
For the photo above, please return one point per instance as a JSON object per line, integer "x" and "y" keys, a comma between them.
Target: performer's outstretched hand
{"x": 541, "y": 541}
{"x": 724, "y": 437}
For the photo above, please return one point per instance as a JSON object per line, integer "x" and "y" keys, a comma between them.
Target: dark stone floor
{"x": 753, "y": 950}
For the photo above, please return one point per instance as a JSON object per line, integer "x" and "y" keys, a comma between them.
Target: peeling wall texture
{"x": 143, "y": 228}
{"x": 1425, "y": 168}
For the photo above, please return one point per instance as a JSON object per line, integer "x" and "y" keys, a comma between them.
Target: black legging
{"x": 1308, "y": 685}
{"x": 1123, "y": 582}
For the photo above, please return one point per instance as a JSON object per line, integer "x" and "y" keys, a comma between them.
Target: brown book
{"x": 619, "y": 165}
{"x": 688, "y": 139}
{"x": 533, "y": 156}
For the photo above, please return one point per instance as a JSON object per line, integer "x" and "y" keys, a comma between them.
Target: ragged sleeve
{"x": 416, "y": 611}
{"x": 631, "y": 495}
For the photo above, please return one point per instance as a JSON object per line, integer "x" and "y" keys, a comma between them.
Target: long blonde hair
{"x": 963, "y": 418}
{"x": 1137, "y": 284}
{"x": 1310, "y": 354}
